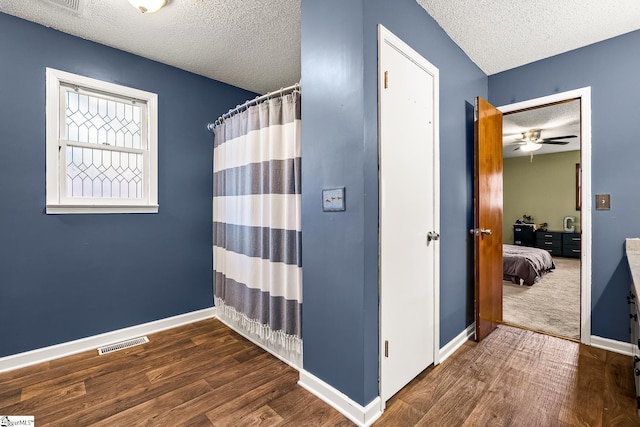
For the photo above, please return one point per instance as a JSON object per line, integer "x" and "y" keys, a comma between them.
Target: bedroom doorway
{"x": 546, "y": 148}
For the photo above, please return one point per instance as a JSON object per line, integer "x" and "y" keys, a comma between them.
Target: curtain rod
{"x": 255, "y": 101}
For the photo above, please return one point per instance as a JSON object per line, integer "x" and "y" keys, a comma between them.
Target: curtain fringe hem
{"x": 276, "y": 339}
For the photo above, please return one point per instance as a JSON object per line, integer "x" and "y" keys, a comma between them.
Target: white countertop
{"x": 632, "y": 247}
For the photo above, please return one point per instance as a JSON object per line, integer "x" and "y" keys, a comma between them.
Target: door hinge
{"x": 475, "y": 110}
{"x": 386, "y": 348}
{"x": 386, "y": 79}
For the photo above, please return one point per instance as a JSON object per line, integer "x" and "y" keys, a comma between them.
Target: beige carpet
{"x": 552, "y": 305}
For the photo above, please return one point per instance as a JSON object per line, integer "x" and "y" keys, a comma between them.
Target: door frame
{"x": 387, "y": 37}
{"x": 584, "y": 94}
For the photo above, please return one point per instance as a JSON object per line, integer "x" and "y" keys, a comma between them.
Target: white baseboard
{"x": 356, "y": 413}
{"x": 451, "y": 347}
{"x": 598, "y": 342}
{"x": 365, "y": 416}
{"x": 21, "y": 360}
{"x": 612, "y": 345}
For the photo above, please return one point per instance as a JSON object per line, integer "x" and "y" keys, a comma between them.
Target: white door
{"x": 409, "y": 206}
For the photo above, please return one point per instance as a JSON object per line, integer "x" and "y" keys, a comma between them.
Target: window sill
{"x": 100, "y": 209}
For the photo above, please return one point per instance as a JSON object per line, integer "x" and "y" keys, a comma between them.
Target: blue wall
{"x": 340, "y": 257}
{"x": 68, "y": 276}
{"x": 333, "y": 242}
{"x": 64, "y": 277}
{"x": 611, "y": 69}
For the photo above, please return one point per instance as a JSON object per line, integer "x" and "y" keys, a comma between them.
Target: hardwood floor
{"x": 201, "y": 374}
{"x": 517, "y": 377}
{"x": 204, "y": 374}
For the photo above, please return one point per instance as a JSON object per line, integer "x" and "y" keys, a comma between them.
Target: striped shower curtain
{"x": 256, "y": 222}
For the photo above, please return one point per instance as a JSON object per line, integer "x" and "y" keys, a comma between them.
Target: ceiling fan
{"x": 531, "y": 140}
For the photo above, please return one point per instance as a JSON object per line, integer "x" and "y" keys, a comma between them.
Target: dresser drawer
{"x": 571, "y": 245}
{"x": 571, "y": 251}
{"x": 550, "y": 241}
{"x": 548, "y": 238}
{"x": 555, "y": 250}
{"x": 571, "y": 239}
{"x": 523, "y": 235}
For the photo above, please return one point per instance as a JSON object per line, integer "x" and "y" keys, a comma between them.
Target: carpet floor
{"x": 552, "y": 305}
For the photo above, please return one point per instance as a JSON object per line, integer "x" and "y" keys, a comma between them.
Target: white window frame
{"x": 56, "y": 200}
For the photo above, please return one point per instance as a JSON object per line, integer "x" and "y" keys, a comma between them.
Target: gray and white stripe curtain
{"x": 257, "y": 221}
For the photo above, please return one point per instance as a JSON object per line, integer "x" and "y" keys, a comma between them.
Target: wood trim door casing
{"x": 584, "y": 94}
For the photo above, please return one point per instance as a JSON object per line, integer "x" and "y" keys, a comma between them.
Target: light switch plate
{"x": 603, "y": 202}
{"x": 333, "y": 199}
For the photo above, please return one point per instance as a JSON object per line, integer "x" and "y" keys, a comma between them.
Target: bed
{"x": 525, "y": 263}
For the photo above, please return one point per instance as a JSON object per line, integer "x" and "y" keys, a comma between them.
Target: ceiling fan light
{"x": 528, "y": 147}
{"x": 148, "y": 6}
{"x": 531, "y": 135}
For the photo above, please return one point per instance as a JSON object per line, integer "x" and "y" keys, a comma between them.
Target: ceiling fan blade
{"x": 550, "y": 141}
{"x": 516, "y": 149}
{"x": 559, "y": 137}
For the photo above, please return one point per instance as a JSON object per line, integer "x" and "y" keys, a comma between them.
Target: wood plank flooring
{"x": 204, "y": 374}
{"x": 517, "y": 377}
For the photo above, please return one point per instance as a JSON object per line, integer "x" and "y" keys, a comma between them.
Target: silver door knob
{"x": 432, "y": 235}
{"x": 479, "y": 231}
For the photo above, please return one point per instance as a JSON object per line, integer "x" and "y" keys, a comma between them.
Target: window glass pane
{"x": 93, "y": 172}
{"x": 96, "y": 120}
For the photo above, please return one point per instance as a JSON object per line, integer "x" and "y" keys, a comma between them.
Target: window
{"x": 101, "y": 147}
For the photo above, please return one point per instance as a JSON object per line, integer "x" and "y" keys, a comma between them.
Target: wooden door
{"x": 409, "y": 204}
{"x": 488, "y": 218}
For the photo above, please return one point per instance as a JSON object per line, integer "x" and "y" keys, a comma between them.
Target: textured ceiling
{"x": 255, "y": 44}
{"x": 252, "y": 44}
{"x": 502, "y": 34}
{"x": 553, "y": 121}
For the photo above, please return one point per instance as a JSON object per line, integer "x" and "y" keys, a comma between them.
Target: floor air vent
{"x": 122, "y": 345}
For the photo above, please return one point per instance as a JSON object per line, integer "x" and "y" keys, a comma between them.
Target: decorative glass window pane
{"x": 102, "y": 146}
{"x": 103, "y": 173}
{"x": 96, "y": 120}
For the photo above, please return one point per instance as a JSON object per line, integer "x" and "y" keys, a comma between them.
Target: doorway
{"x": 409, "y": 219}
{"x": 547, "y": 205}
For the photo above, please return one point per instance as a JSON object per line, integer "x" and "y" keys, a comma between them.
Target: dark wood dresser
{"x": 571, "y": 245}
{"x": 524, "y": 235}
{"x": 559, "y": 243}
{"x": 551, "y": 241}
